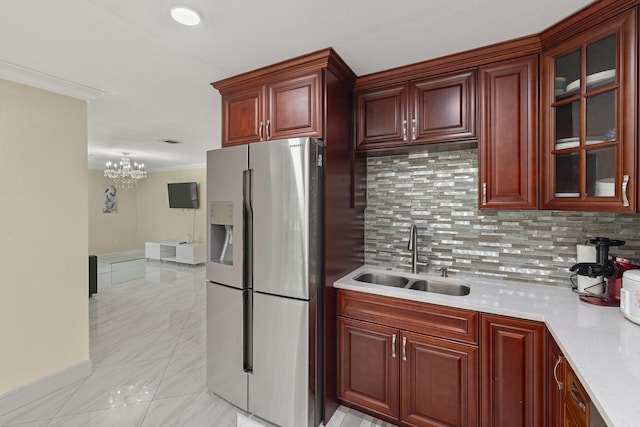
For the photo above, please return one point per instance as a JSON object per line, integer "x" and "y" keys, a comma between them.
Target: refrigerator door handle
{"x": 247, "y": 273}
{"x": 247, "y": 228}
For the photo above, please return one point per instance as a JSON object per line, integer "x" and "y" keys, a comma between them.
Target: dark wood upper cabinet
{"x": 382, "y": 117}
{"x": 444, "y": 108}
{"x": 285, "y": 100}
{"x": 508, "y": 140}
{"x": 294, "y": 107}
{"x": 286, "y": 108}
{"x": 242, "y": 111}
{"x": 512, "y": 370}
{"x": 430, "y": 110}
{"x": 589, "y": 116}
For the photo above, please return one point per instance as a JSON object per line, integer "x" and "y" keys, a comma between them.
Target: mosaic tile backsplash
{"x": 439, "y": 193}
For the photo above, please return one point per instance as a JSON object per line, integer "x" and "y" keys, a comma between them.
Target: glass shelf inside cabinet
{"x": 567, "y": 73}
{"x": 568, "y": 175}
{"x": 601, "y": 118}
{"x": 601, "y": 63}
{"x": 601, "y": 167}
{"x": 567, "y": 125}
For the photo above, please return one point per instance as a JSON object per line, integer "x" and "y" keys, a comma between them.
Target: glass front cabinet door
{"x": 589, "y": 119}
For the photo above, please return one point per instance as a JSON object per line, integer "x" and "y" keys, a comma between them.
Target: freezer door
{"x": 287, "y": 209}
{"x": 225, "y": 208}
{"x": 280, "y": 387}
{"x": 225, "y": 368}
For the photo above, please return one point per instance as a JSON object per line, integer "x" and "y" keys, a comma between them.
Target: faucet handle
{"x": 443, "y": 271}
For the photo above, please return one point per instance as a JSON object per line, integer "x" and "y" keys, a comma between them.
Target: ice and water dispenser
{"x": 221, "y": 223}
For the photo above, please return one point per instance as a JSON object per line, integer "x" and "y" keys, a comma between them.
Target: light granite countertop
{"x": 600, "y": 344}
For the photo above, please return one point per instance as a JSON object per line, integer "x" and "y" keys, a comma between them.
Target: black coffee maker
{"x": 604, "y": 267}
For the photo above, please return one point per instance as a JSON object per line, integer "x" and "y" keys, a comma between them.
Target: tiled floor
{"x": 147, "y": 343}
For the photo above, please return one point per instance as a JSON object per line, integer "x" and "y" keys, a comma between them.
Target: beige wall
{"x": 44, "y": 325}
{"x": 144, "y": 213}
{"x": 156, "y": 221}
{"x": 111, "y": 232}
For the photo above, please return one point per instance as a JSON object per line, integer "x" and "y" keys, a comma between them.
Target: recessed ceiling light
{"x": 185, "y": 15}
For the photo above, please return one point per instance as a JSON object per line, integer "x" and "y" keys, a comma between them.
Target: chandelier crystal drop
{"x": 125, "y": 175}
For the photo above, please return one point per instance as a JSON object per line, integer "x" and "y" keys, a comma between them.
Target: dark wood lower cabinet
{"x": 512, "y": 365}
{"x": 403, "y": 376}
{"x": 555, "y": 378}
{"x": 368, "y": 366}
{"x": 439, "y": 385}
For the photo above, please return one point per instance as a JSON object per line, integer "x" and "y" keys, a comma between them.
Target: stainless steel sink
{"x": 382, "y": 279}
{"x": 435, "y": 286}
{"x": 440, "y": 287}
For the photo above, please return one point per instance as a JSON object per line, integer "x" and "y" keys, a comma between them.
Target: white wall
{"x": 44, "y": 326}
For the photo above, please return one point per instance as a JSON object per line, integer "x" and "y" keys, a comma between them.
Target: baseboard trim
{"x": 44, "y": 386}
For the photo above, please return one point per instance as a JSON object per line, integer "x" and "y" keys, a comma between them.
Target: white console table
{"x": 184, "y": 253}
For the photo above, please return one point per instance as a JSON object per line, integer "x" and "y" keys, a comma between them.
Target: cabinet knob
{"x": 404, "y": 130}
{"x": 268, "y": 130}
{"x": 260, "y": 133}
{"x": 413, "y": 129}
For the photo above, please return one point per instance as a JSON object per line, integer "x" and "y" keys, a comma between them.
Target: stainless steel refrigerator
{"x": 264, "y": 276}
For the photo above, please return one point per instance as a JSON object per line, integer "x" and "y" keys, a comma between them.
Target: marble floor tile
{"x": 197, "y": 410}
{"x": 125, "y": 416}
{"x": 44, "y": 408}
{"x": 184, "y": 375}
{"x": 147, "y": 346}
{"x": 113, "y": 386}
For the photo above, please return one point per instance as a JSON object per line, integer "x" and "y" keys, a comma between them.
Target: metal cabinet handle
{"x": 413, "y": 129}
{"x": 555, "y": 372}
{"x": 260, "y": 133}
{"x": 484, "y": 193}
{"x": 393, "y": 345}
{"x": 404, "y": 130}
{"x": 625, "y": 184}
{"x": 574, "y": 390}
{"x": 268, "y": 130}
{"x": 404, "y": 349}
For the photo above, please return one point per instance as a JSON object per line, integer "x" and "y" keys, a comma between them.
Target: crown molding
{"x": 19, "y": 74}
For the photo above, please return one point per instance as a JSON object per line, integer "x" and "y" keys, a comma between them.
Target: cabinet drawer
{"x": 429, "y": 319}
{"x": 576, "y": 399}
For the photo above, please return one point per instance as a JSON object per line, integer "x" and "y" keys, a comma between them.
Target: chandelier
{"x": 123, "y": 174}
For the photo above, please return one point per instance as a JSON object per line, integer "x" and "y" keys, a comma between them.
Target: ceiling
{"x": 147, "y": 78}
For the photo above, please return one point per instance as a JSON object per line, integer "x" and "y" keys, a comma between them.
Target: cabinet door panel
{"x": 589, "y": 119}
{"x": 508, "y": 134}
{"x": 241, "y": 115}
{"x": 295, "y": 107}
{"x": 368, "y": 366}
{"x": 512, "y": 372}
{"x": 381, "y": 117}
{"x": 439, "y": 382}
{"x": 444, "y": 108}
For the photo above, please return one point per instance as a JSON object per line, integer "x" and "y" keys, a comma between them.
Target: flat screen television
{"x": 183, "y": 195}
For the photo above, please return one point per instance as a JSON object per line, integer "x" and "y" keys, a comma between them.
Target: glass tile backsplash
{"x": 439, "y": 193}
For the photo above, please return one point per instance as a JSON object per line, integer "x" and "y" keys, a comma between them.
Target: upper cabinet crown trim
{"x": 325, "y": 58}
{"x": 471, "y": 58}
{"x": 584, "y": 19}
